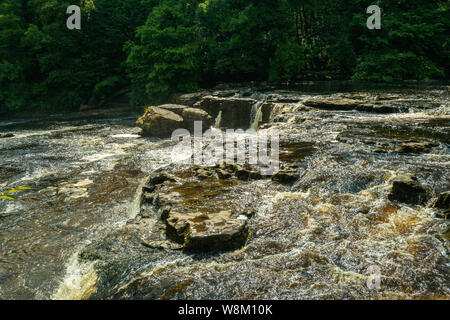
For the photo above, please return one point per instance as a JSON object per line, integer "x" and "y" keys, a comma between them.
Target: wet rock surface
{"x": 407, "y": 189}
{"x": 203, "y": 232}
{"x": 443, "y": 205}
{"x": 6, "y": 135}
{"x": 352, "y": 104}
{"x": 196, "y": 209}
{"x": 417, "y": 147}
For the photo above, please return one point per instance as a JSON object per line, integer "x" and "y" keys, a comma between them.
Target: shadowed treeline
{"x": 157, "y": 47}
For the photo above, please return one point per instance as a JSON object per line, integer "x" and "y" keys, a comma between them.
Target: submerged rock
{"x": 286, "y": 177}
{"x": 201, "y": 232}
{"x": 417, "y": 147}
{"x": 407, "y": 189}
{"x": 443, "y": 201}
{"x": 159, "y": 122}
{"x": 333, "y": 104}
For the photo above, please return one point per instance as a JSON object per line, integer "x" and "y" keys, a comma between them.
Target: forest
{"x": 153, "y": 48}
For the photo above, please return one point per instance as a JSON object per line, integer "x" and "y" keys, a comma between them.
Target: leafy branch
{"x": 10, "y": 194}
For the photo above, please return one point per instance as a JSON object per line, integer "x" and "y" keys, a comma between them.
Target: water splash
{"x": 218, "y": 121}
{"x": 79, "y": 281}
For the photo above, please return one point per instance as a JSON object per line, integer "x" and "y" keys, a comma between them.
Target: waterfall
{"x": 218, "y": 120}
{"x": 256, "y": 115}
{"x": 257, "y": 119}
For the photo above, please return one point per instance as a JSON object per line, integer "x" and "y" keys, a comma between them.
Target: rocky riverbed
{"x": 363, "y": 185}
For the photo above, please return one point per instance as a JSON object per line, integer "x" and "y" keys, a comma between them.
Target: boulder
{"x": 158, "y": 178}
{"x": 235, "y": 111}
{"x": 159, "y": 122}
{"x": 225, "y": 93}
{"x": 203, "y": 174}
{"x": 223, "y": 174}
{"x": 6, "y": 135}
{"x": 407, "y": 189}
{"x": 191, "y": 115}
{"x": 200, "y": 232}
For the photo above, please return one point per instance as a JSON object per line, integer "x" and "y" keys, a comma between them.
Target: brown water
{"x": 83, "y": 172}
{"x": 314, "y": 240}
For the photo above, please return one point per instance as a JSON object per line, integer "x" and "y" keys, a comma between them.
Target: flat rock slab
{"x": 351, "y": 104}
{"x": 202, "y": 232}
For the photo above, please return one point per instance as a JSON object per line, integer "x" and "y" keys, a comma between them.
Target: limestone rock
{"x": 202, "y": 232}
{"x": 158, "y": 178}
{"x": 333, "y": 104}
{"x": 191, "y": 115}
{"x": 159, "y": 122}
{"x": 188, "y": 99}
{"x": 235, "y": 111}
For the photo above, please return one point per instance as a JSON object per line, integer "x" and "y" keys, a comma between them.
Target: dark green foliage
{"x": 288, "y": 63}
{"x": 45, "y": 66}
{"x": 157, "y": 47}
{"x": 412, "y": 44}
{"x": 165, "y": 57}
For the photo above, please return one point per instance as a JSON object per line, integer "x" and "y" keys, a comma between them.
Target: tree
{"x": 164, "y": 58}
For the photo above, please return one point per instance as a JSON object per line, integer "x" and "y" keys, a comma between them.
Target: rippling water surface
{"x": 83, "y": 172}
{"x": 315, "y": 239}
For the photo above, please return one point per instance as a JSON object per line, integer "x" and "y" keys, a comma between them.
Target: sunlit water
{"x": 83, "y": 175}
{"x": 314, "y": 240}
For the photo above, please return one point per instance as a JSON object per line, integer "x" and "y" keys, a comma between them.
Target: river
{"x": 84, "y": 170}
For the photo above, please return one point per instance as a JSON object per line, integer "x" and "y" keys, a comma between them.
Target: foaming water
{"x": 73, "y": 236}
{"x": 322, "y": 237}
{"x": 83, "y": 177}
